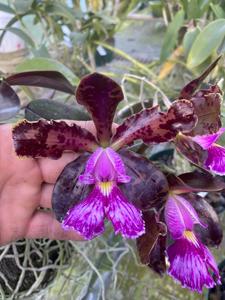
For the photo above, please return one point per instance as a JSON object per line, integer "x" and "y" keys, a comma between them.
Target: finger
{"x": 46, "y": 195}
{"x": 44, "y": 225}
{"x": 51, "y": 169}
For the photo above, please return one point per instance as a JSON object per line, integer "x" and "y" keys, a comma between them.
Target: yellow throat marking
{"x": 190, "y": 236}
{"x": 105, "y": 187}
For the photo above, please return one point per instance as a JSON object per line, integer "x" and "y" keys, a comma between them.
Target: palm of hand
{"x": 25, "y": 185}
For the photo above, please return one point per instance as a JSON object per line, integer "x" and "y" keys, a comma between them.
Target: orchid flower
{"x": 102, "y": 184}
{"x": 199, "y": 145}
{"x": 193, "y": 225}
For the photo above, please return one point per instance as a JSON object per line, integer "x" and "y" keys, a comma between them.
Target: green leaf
{"x": 217, "y": 10}
{"x": 207, "y": 42}
{"x": 53, "y": 110}
{"x": 64, "y": 11}
{"x": 47, "y": 64}
{"x": 6, "y": 8}
{"x": 189, "y": 39}
{"x": 171, "y": 35}
{"x": 23, "y": 35}
{"x": 22, "y": 6}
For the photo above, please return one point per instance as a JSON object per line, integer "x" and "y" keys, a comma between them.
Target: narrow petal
{"x": 87, "y": 217}
{"x": 118, "y": 165}
{"x": 154, "y": 126}
{"x": 100, "y": 95}
{"x": 180, "y": 216}
{"x": 88, "y": 176}
{"x": 191, "y": 265}
{"x": 216, "y": 159}
{"x": 189, "y": 89}
{"x": 51, "y": 138}
{"x": 125, "y": 217}
{"x": 205, "y": 141}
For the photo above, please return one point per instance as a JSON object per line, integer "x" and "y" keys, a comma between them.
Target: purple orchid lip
{"x": 104, "y": 169}
{"x": 215, "y": 161}
{"x": 190, "y": 261}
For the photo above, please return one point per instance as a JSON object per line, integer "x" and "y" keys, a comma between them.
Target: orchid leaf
{"x": 9, "y": 102}
{"x": 207, "y": 42}
{"x": 151, "y": 250}
{"x": 47, "y": 64}
{"x": 195, "y": 181}
{"x": 189, "y": 89}
{"x": 213, "y": 234}
{"x": 100, "y": 95}
{"x": 148, "y": 187}
{"x": 53, "y": 110}
{"x": 207, "y": 105}
{"x": 50, "y": 139}
{"x": 67, "y": 190}
{"x": 153, "y": 126}
{"x": 191, "y": 150}
{"x": 47, "y": 79}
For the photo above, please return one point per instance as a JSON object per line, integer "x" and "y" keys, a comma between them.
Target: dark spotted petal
{"x": 100, "y": 95}
{"x": 191, "y": 87}
{"x": 213, "y": 234}
{"x": 148, "y": 187}
{"x": 9, "y": 102}
{"x": 153, "y": 126}
{"x": 207, "y": 105}
{"x": 191, "y": 150}
{"x": 151, "y": 245}
{"x": 67, "y": 190}
{"x": 50, "y": 139}
{"x": 48, "y": 79}
{"x": 195, "y": 182}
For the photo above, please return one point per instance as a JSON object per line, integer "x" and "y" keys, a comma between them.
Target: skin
{"x": 26, "y": 184}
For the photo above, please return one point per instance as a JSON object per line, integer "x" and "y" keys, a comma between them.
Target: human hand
{"x": 25, "y": 185}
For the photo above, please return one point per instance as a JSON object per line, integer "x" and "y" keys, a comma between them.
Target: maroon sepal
{"x": 100, "y": 95}
{"x": 148, "y": 187}
{"x": 51, "y": 138}
{"x": 191, "y": 87}
{"x": 151, "y": 248}
{"x": 195, "y": 181}
{"x": 213, "y": 234}
{"x": 191, "y": 150}
{"x": 153, "y": 126}
{"x": 67, "y": 190}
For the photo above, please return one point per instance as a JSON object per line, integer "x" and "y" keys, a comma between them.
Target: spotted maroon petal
{"x": 207, "y": 104}
{"x": 100, "y": 95}
{"x": 191, "y": 264}
{"x": 153, "y": 126}
{"x": 215, "y": 161}
{"x": 51, "y": 138}
{"x": 87, "y": 217}
{"x": 180, "y": 216}
{"x": 125, "y": 217}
